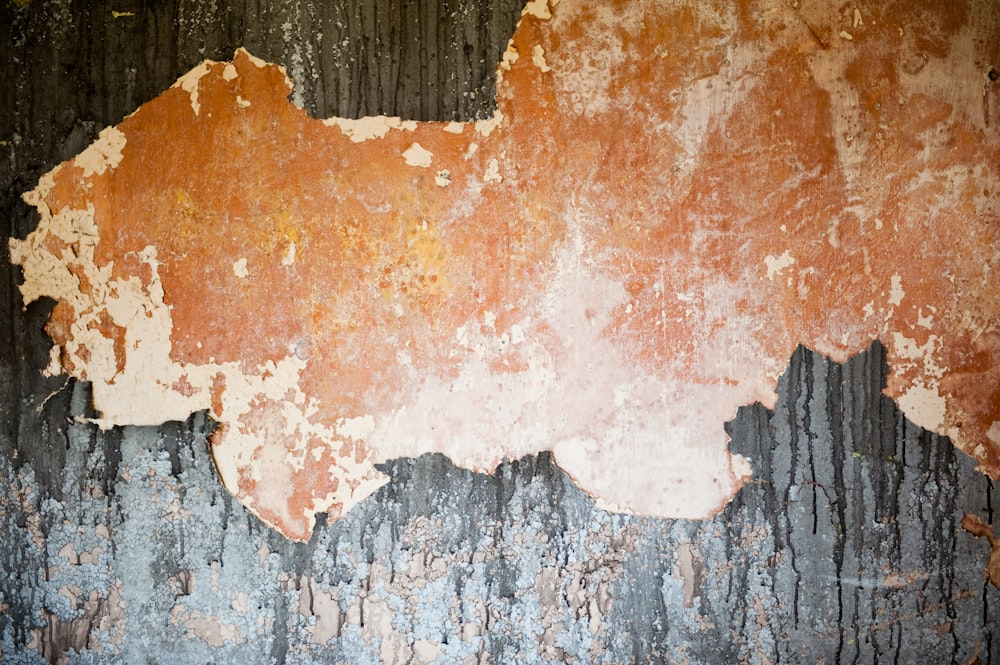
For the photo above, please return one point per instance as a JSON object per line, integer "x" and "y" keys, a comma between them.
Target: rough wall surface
{"x": 122, "y": 545}
{"x": 572, "y": 275}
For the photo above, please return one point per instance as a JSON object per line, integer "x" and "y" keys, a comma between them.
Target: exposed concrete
{"x": 848, "y": 548}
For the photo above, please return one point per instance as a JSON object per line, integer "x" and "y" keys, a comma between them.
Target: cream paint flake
{"x": 537, "y": 8}
{"x": 417, "y": 155}
{"x": 492, "y": 172}
{"x": 486, "y": 127}
{"x": 777, "y": 264}
{"x": 896, "y": 292}
{"x": 189, "y": 83}
{"x": 102, "y": 154}
{"x": 370, "y": 127}
{"x": 538, "y": 58}
{"x": 924, "y": 406}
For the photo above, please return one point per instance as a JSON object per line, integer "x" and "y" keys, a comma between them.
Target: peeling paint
{"x": 190, "y": 83}
{"x": 373, "y": 127}
{"x": 592, "y": 300}
{"x": 777, "y": 264}
{"x": 896, "y": 293}
{"x": 538, "y": 57}
{"x": 104, "y": 153}
{"x": 417, "y": 155}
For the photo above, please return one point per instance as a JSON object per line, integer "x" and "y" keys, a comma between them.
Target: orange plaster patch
{"x": 670, "y": 197}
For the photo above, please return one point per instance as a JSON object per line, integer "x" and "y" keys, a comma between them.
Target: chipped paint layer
{"x": 663, "y": 206}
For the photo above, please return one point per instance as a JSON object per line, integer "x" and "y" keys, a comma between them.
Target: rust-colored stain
{"x": 671, "y": 196}
{"x": 975, "y": 526}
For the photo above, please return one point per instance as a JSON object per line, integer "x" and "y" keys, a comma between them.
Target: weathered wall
{"x": 122, "y": 545}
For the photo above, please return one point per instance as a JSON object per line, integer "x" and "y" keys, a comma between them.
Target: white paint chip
{"x": 896, "y": 292}
{"x": 777, "y": 264}
{"x": 538, "y": 57}
{"x": 492, "y": 172}
{"x": 189, "y": 84}
{"x": 537, "y": 8}
{"x": 923, "y": 406}
{"x": 486, "y": 127}
{"x": 417, "y": 155}
{"x": 102, "y": 154}
{"x": 371, "y": 127}
{"x": 240, "y": 268}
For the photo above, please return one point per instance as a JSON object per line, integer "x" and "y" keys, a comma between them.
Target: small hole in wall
{"x": 993, "y": 74}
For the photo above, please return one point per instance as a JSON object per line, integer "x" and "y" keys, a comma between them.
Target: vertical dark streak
{"x": 834, "y": 404}
{"x": 986, "y": 101}
{"x": 810, "y": 440}
{"x": 793, "y": 398}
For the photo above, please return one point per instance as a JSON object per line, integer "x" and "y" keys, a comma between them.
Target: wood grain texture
{"x": 121, "y": 544}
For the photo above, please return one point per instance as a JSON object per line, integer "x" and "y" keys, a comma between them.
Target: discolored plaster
{"x": 663, "y": 205}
